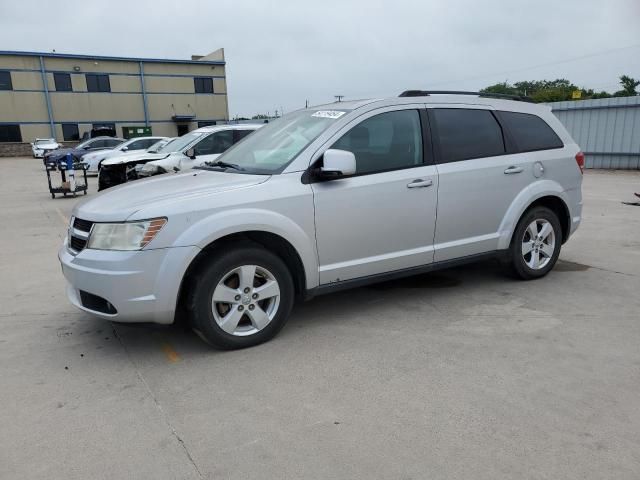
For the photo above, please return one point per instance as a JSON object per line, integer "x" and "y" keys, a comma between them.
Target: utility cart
{"x": 70, "y": 182}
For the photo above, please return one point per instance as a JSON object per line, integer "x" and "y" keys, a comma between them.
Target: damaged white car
{"x": 190, "y": 150}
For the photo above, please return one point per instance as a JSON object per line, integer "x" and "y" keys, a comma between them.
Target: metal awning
{"x": 183, "y": 118}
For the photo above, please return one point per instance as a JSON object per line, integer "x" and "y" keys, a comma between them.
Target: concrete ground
{"x": 462, "y": 374}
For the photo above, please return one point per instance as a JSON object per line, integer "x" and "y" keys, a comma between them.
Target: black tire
{"x": 206, "y": 279}
{"x": 515, "y": 261}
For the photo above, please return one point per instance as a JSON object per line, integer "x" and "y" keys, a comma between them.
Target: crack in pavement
{"x": 157, "y": 403}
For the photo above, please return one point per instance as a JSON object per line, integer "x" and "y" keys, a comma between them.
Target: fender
{"x": 218, "y": 225}
{"x": 539, "y": 189}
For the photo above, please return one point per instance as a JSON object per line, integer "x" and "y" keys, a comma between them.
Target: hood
{"x": 46, "y": 146}
{"x": 96, "y": 153}
{"x": 121, "y": 202}
{"x": 61, "y": 152}
{"x": 133, "y": 157}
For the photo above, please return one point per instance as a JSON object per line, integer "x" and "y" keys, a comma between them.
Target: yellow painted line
{"x": 170, "y": 353}
{"x": 64, "y": 219}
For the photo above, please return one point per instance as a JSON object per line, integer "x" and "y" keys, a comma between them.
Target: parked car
{"x": 137, "y": 145}
{"x": 324, "y": 199}
{"x": 194, "y": 148}
{"x": 93, "y": 144}
{"x": 41, "y": 146}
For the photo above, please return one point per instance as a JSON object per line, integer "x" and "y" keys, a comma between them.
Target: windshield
{"x": 182, "y": 142}
{"x": 271, "y": 148}
{"x": 84, "y": 144}
{"x": 159, "y": 146}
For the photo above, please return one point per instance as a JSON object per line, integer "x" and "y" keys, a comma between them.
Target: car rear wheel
{"x": 535, "y": 246}
{"x": 241, "y": 298}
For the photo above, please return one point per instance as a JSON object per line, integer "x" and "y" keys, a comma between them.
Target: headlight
{"x": 148, "y": 169}
{"x": 124, "y": 236}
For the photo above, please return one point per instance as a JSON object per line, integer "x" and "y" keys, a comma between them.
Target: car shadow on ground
{"x": 395, "y": 297}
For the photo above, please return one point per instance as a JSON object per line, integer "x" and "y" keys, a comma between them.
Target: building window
{"x": 10, "y": 133}
{"x": 98, "y": 82}
{"x": 206, "y": 123}
{"x": 63, "y": 82}
{"x": 5, "y": 81}
{"x": 203, "y": 84}
{"x": 70, "y": 132}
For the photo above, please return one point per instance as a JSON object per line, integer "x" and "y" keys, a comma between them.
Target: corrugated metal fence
{"x": 607, "y": 130}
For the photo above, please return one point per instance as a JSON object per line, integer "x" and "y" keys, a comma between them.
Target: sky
{"x": 280, "y": 54}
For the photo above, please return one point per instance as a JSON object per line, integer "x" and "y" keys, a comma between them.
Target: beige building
{"x": 46, "y": 95}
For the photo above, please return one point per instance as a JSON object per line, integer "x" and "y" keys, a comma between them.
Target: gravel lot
{"x": 459, "y": 374}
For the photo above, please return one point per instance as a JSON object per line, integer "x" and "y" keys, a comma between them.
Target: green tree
{"x": 628, "y": 87}
{"x": 556, "y": 90}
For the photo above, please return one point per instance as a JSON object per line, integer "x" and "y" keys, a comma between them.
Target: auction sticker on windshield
{"x": 328, "y": 114}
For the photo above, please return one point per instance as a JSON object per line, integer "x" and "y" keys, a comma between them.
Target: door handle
{"x": 512, "y": 170}
{"x": 420, "y": 183}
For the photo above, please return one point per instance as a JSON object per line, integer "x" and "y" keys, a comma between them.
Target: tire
{"x": 544, "y": 252}
{"x": 234, "y": 318}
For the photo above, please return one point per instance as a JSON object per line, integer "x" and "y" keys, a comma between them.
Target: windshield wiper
{"x": 220, "y": 163}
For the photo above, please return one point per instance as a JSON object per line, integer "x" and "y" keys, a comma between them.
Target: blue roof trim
{"x": 101, "y": 57}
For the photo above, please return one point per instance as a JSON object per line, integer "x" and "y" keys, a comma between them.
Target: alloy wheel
{"x": 538, "y": 244}
{"x": 245, "y": 300}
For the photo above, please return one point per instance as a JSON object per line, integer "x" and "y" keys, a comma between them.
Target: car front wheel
{"x": 241, "y": 298}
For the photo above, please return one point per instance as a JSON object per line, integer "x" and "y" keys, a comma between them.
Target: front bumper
{"x": 141, "y": 286}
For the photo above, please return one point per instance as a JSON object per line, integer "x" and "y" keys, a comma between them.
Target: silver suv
{"x": 324, "y": 199}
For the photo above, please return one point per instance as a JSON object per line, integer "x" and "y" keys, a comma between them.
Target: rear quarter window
{"x": 530, "y": 132}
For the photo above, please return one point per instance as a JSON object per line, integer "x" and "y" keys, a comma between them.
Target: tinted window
{"x": 215, "y": 143}
{"x": 5, "y": 81}
{"x": 137, "y": 145}
{"x": 10, "y": 133}
{"x": 240, "y": 134}
{"x": 70, "y": 131}
{"x": 385, "y": 142}
{"x": 203, "y": 84}
{"x": 206, "y": 123}
{"x": 63, "y": 82}
{"x": 465, "y": 134}
{"x": 98, "y": 82}
{"x": 530, "y": 132}
{"x": 111, "y": 142}
{"x": 96, "y": 144}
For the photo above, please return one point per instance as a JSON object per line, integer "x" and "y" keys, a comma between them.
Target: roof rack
{"x": 504, "y": 96}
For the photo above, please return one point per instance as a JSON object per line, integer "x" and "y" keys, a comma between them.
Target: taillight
{"x": 580, "y": 161}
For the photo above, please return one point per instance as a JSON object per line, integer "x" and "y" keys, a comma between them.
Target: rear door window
{"x": 530, "y": 132}
{"x": 464, "y": 134}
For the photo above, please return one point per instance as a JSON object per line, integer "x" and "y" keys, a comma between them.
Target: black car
{"x": 98, "y": 143}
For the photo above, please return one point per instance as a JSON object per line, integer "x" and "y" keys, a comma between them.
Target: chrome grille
{"x": 83, "y": 225}
{"x": 79, "y": 234}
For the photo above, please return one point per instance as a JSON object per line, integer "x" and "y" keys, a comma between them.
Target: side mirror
{"x": 191, "y": 153}
{"x": 124, "y": 149}
{"x": 337, "y": 163}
